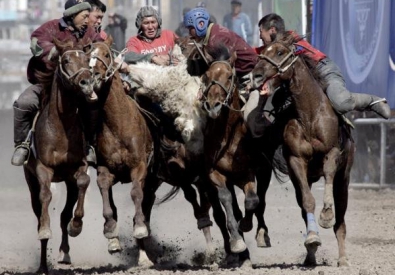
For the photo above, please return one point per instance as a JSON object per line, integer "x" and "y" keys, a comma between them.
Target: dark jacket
{"x": 246, "y": 56}
{"x": 43, "y": 47}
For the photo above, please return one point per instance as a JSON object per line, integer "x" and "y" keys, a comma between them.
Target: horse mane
{"x": 219, "y": 52}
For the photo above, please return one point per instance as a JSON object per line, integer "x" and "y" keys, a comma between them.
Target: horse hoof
{"x": 140, "y": 232}
{"x": 144, "y": 261}
{"x": 312, "y": 241}
{"x": 237, "y": 246}
{"x": 343, "y": 262}
{"x": 247, "y": 264}
{"x": 245, "y": 225}
{"x": 44, "y": 234}
{"x": 114, "y": 246}
{"x": 64, "y": 258}
{"x": 262, "y": 238}
{"x": 327, "y": 218}
{"x": 74, "y": 230}
{"x": 310, "y": 261}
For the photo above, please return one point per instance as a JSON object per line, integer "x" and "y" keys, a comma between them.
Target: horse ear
{"x": 233, "y": 58}
{"x": 87, "y": 46}
{"x": 109, "y": 40}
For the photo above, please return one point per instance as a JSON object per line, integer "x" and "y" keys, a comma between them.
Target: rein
{"x": 65, "y": 74}
{"x": 110, "y": 68}
{"x": 279, "y": 65}
{"x": 229, "y": 92}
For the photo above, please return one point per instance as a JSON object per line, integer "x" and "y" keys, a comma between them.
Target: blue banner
{"x": 359, "y": 35}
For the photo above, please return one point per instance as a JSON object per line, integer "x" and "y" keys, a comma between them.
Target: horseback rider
{"x": 341, "y": 99}
{"x": 96, "y": 14}
{"x": 73, "y": 25}
{"x": 210, "y": 35}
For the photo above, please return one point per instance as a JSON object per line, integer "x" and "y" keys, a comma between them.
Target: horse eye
{"x": 279, "y": 53}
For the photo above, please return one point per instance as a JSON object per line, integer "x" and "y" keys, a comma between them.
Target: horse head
{"x": 219, "y": 81}
{"x": 275, "y": 64}
{"x": 73, "y": 68}
{"x": 197, "y": 61}
{"x": 101, "y": 62}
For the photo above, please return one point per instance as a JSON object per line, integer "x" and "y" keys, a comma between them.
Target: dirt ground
{"x": 177, "y": 245}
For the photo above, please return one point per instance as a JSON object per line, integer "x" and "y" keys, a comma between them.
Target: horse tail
{"x": 280, "y": 165}
{"x": 169, "y": 196}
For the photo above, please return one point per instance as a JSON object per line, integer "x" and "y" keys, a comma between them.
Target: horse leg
{"x": 306, "y": 201}
{"x": 105, "y": 181}
{"x": 201, "y": 213}
{"x": 34, "y": 188}
{"x": 263, "y": 177}
{"x": 65, "y": 218}
{"x": 152, "y": 184}
{"x": 138, "y": 176}
{"x": 237, "y": 243}
{"x": 250, "y": 203}
{"x": 327, "y": 216}
{"x": 74, "y": 227}
{"x": 342, "y": 180}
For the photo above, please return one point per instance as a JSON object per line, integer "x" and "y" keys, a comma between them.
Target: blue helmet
{"x": 194, "y": 17}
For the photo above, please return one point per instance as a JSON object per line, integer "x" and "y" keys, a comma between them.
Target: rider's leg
{"x": 344, "y": 101}
{"x": 25, "y": 108}
{"x": 90, "y": 120}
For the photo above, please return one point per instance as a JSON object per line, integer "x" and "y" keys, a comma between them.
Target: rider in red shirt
{"x": 151, "y": 42}
{"x": 342, "y": 100}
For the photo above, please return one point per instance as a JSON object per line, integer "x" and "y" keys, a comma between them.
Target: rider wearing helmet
{"x": 151, "y": 42}
{"x": 73, "y": 25}
{"x": 210, "y": 35}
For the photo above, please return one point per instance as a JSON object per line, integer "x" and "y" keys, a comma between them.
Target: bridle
{"x": 279, "y": 65}
{"x": 229, "y": 91}
{"x": 63, "y": 72}
{"x": 111, "y": 68}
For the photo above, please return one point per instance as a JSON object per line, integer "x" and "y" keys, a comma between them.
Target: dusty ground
{"x": 178, "y": 245}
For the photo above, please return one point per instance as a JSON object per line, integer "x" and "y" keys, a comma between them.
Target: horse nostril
{"x": 206, "y": 105}
{"x": 217, "y": 104}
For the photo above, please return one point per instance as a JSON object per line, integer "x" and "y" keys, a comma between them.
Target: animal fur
{"x": 177, "y": 93}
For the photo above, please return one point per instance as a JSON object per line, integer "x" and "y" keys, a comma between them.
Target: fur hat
{"x": 72, "y": 7}
{"x": 147, "y": 11}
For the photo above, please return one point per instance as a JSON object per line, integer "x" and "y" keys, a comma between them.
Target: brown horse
{"x": 58, "y": 143}
{"x": 316, "y": 142}
{"x": 228, "y": 161}
{"x": 124, "y": 143}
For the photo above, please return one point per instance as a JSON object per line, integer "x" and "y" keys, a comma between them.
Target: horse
{"x": 58, "y": 147}
{"x": 316, "y": 142}
{"x": 125, "y": 145}
{"x": 228, "y": 160}
{"x": 177, "y": 92}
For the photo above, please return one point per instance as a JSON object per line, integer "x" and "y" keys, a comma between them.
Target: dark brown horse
{"x": 228, "y": 161}
{"x": 124, "y": 143}
{"x": 58, "y": 153}
{"x": 199, "y": 59}
{"x": 316, "y": 143}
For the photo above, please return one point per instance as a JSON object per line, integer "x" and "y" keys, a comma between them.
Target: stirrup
{"x": 378, "y": 101}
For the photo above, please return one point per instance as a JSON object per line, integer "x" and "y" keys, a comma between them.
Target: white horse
{"x": 177, "y": 93}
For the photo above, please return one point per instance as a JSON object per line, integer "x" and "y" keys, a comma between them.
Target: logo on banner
{"x": 361, "y": 22}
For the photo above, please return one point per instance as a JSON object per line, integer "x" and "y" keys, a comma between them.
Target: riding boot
{"x": 22, "y": 125}
{"x": 91, "y": 123}
{"x": 365, "y": 102}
